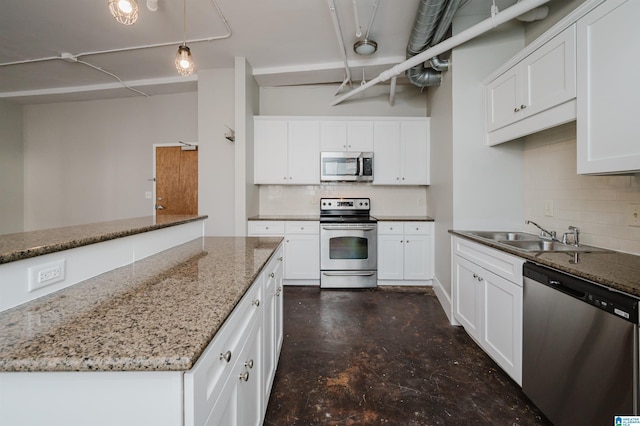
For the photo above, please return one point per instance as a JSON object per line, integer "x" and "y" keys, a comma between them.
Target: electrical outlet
{"x": 548, "y": 208}
{"x": 148, "y": 195}
{"x": 46, "y": 274}
{"x": 633, "y": 217}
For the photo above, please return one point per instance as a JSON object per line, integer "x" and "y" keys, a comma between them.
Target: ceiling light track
{"x": 147, "y": 46}
{"x": 343, "y": 50}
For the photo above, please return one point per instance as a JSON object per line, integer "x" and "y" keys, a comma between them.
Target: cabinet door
{"x": 333, "y": 135}
{"x": 386, "y": 153}
{"x": 390, "y": 257}
{"x": 269, "y": 330}
{"x": 417, "y": 257}
{"x": 250, "y": 391}
{"x": 607, "y": 133}
{"x": 360, "y": 135}
{"x": 302, "y": 257}
{"x": 414, "y": 145}
{"x": 503, "y": 99}
{"x": 549, "y": 74}
{"x": 467, "y": 296}
{"x": 270, "y": 152}
{"x": 502, "y": 333}
{"x": 225, "y": 412}
{"x": 304, "y": 152}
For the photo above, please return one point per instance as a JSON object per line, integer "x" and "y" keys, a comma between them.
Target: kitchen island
{"x": 122, "y": 347}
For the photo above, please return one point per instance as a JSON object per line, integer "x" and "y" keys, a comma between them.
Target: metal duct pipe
{"x": 433, "y": 19}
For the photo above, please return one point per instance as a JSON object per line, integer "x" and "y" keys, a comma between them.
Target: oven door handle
{"x": 347, "y": 228}
{"x": 348, "y": 274}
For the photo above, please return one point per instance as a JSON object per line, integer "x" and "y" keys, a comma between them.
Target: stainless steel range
{"x": 348, "y": 244}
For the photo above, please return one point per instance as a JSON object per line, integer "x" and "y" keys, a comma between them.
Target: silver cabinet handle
{"x": 278, "y": 291}
{"x": 226, "y": 356}
{"x": 272, "y": 275}
{"x": 244, "y": 376}
{"x": 249, "y": 364}
{"x": 523, "y": 106}
{"x": 159, "y": 207}
{"x": 478, "y": 277}
{"x": 338, "y": 228}
{"x": 280, "y": 258}
{"x": 256, "y": 303}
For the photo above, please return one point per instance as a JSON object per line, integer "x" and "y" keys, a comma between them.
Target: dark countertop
{"x": 24, "y": 245}
{"x": 615, "y": 270}
{"x": 317, "y": 217}
{"x": 157, "y": 314}
{"x": 404, "y": 218}
{"x": 285, "y": 217}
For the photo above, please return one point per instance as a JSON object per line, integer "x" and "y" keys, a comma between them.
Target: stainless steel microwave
{"x": 346, "y": 166}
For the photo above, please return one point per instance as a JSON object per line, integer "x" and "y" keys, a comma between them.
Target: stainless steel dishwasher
{"x": 580, "y": 348}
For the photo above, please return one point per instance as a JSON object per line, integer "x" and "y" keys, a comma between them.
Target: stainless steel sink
{"x": 504, "y": 235}
{"x": 551, "y": 246}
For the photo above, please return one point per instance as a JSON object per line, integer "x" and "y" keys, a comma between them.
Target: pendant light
{"x": 124, "y": 11}
{"x": 184, "y": 61}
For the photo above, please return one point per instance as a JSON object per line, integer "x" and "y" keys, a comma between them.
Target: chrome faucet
{"x": 575, "y": 231}
{"x": 544, "y": 234}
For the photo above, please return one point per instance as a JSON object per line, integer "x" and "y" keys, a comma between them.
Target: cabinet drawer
{"x": 392, "y": 228}
{"x": 505, "y": 265}
{"x": 266, "y": 227}
{"x": 302, "y": 227}
{"x": 417, "y": 228}
{"x": 204, "y": 382}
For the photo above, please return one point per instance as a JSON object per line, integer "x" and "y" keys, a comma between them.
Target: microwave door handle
{"x": 360, "y": 169}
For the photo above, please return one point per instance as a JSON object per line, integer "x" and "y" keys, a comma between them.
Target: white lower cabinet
{"x": 301, "y": 247}
{"x": 405, "y": 253}
{"x": 487, "y": 301}
{"x": 231, "y": 382}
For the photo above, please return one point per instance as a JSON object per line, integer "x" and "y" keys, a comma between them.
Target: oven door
{"x": 348, "y": 247}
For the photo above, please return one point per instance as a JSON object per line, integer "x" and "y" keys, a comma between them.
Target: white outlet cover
{"x": 55, "y": 269}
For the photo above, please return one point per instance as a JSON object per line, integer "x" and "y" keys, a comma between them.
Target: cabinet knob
{"x": 516, "y": 109}
{"x": 523, "y": 106}
{"x": 244, "y": 376}
{"x": 256, "y": 303}
{"x": 278, "y": 291}
{"x": 280, "y": 258}
{"x": 272, "y": 275}
{"x": 407, "y": 241}
{"x": 226, "y": 356}
{"x": 285, "y": 178}
{"x": 402, "y": 178}
{"x": 249, "y": 364}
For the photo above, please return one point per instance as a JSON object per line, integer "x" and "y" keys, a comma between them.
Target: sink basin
{"x": 504, "y": 235}
{"x": 551, "y": 246}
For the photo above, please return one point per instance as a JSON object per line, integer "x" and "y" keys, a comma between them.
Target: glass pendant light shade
{"x": 184, "y": 61}
{"x": 124, "y": 11}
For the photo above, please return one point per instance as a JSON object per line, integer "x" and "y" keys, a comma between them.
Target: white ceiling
{"x": 287, "y": 42}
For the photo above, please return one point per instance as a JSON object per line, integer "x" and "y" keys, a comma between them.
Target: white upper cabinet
{"x": 401, "y": 152}
{"x": 286, "y": 152}
{"x": 608, "y": 89}
{"x": 346, "y": 135}
{"x": 536, "y": 93}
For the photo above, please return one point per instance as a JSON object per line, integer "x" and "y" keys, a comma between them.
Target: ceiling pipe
{"x": 424, "y": 26}
{"x": 392, "y": 91}
{"x": 355, "y": 14}
{"x": 458, "y": 39}
{"x": 343, "y": 51}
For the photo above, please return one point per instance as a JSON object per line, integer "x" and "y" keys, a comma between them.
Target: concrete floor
{"x": 386, "y": 356}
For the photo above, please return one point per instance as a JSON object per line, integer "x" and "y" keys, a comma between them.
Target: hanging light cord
{"x": 184, "y": 23}
{"x": 126, "y": 86}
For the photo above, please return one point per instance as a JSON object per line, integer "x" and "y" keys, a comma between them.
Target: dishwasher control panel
{"x": 621, "y": 305}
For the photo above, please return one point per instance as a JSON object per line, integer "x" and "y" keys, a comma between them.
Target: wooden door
{"x": 176, "y": 181}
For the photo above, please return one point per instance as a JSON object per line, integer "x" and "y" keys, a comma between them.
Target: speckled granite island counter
{"x": 143, "y": 320}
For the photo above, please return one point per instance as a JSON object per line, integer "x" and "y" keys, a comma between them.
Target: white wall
{"x": 598, "y": 205}
{"x": 91, "y": 161}
{"x": 487, "y": 181}
{"x": 440, "y": 193}
{"x": 315, "y": 101}
{"x": 247, "y": 105}
{"x": 216, "y": 157}
{"x": 11, "y": 168}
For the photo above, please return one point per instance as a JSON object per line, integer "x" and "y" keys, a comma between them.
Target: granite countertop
{"x": 157, "y": 314}
{"x": 404, "y": 218}
{"x": 285, "y": 217}
{"x": 24, "y": 245}
{"x": 615, "y": 270}
{"x": 317, "y": 217}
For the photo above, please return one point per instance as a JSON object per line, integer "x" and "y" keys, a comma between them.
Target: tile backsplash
{"x": 599, "y": 205}
{"x": 305, "y": 200}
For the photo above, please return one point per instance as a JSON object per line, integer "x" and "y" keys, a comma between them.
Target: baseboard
{"x": 444, "y": 299}
{"x": 309, "y": 283}
{"x": 414, "y": 283}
